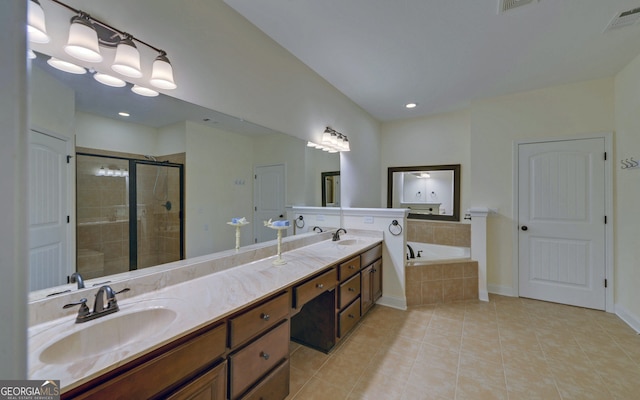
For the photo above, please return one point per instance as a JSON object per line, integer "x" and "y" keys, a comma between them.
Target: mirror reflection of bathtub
{"x": 436, "y": 253}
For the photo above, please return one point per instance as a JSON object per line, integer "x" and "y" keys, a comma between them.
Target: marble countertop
{"x": 195, "y": 304}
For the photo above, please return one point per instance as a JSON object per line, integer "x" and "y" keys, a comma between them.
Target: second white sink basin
{"x": 102, "y": 336}
{"x": 348, "y": 242}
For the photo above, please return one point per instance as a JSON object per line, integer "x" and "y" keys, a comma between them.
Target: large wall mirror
{"x": 219, "y": 153}
{"x": 330, "y": 188}
{"x": 429, "y": 192}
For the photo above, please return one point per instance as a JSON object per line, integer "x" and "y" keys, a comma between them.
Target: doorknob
{"x": 524, "y": 228}
{"x": 281, "y": 216}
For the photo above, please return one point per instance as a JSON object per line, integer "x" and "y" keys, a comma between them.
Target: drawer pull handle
{"x": 352, "y": 266}
{"x": 351, "y": 316}
{"x": 320, "y": 285}
{"x": 264, "y": 355}
{"x": 265, "y": 317}
{"x": 352, "y": 289}
{"x": 375, "y": 270}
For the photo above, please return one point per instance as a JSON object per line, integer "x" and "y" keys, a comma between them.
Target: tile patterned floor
{"x": 508, "y": 348}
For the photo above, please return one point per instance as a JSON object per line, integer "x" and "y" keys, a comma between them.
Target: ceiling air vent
{"x": 506, "y": 5}
{"x": 625, "y": 18}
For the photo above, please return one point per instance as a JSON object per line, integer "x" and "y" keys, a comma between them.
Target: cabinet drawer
{"x": 349, "y": 317}
{"x": 314, "y": 287}
{"x": 371, "y": 255}
{"x": 258, "y": 319}
{"x": 349, "y": 291}
{"x": 349, "y": 268}
{"x": 248, "y": 365}
{"x": 274, "y": 386}
{"x": 151, "y": 378}
{"x": 212, "y": 385}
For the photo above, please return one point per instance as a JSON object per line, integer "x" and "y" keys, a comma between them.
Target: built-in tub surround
{"x": 427, "y": 253}
{"x": 436, "y": 232}
{"x": 442, "y": 282}
{"x": 196, "y": 302}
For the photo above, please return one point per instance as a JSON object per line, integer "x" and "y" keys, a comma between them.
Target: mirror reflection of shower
{"x": 163, "y": 199}
{"x": 129, "y": 212}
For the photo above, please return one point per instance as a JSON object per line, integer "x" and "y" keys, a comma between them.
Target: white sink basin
{"x": 348, "y": 242}
{"x": 108, "y": 334}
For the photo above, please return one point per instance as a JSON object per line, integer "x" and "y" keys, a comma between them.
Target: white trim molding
{"x": 632, "y": 320}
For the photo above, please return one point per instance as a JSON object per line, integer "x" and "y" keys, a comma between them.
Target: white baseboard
{"x": 501, "y": 290}
{"x": 632, "y": 320}
{"x": 393, "y": 302}
{"x": 483, "y": 295}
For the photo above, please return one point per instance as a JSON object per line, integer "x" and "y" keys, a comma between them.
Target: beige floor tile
{"x": 482, "y": 349}
{"x": 316, "y": 389}
{"x": 481, "y": 370}
{"x": 308, "y": 360}
{"x": 442, "y": 339}
{"x": 507, "y": 348}
{"x": 477, "y": 389}
{"x": 522, "y": 383}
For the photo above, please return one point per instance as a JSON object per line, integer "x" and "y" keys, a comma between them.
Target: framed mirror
{"x": 429, "y": 192}
{"x": 330, "y": 189}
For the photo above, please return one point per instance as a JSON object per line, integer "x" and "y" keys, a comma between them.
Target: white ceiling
{"x": 444, "y": 54}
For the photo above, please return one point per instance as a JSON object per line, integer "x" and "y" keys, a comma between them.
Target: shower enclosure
{"x": 129, "y": 213}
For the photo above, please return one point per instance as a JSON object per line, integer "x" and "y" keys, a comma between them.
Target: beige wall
{"x": 439, "y": 139}
{"x": 496, "y": 123}
{"x": 627, "y": 214}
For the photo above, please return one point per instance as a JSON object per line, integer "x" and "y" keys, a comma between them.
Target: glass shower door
{"x": 158, "y": 210}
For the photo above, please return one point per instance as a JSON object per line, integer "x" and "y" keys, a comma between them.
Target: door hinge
{"x": 69, "y": 159}
{"x": 605, "y": 156}
{"x": 255, "y": 208}
{"x": 605, "y": 283}
{"x": 605, "y": 219}
{"x": 68, "y": 219}
{"x": 255, "y": 177}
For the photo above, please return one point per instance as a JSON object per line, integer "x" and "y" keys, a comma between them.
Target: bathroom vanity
{"x": 228, "y": 336}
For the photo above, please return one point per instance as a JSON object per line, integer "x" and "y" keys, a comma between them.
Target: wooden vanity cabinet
{"x": 168, "y": 370}
{"x": 212, "y": 385}
{"x": 371, "y": 278}
{"x": 259, "y": 350}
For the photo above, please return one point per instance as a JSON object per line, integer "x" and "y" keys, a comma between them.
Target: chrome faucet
{"x": 411, "y": 255}
{"x": 336, "y": 236}
{"x": 77, "y": 278}
{"x": 105, "y": 293}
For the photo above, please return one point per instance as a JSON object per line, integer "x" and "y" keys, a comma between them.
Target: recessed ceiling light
{"x": 123, "y": 114}
{"x": 411, "y": 105}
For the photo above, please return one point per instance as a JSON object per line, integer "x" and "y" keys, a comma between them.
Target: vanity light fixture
{"x": 36, "y": 27}
{"x": 66, "y": 66}
{"x": 102, "y": 172}
{"x": 127, "y": 60}
{"x": 143, "y": 91}
{"x": 332, "y": 142}
{"x": 83, "y": 39}
{"x": 87, "y": 35}
{"x": 162, "y": 73}
{"x": 109, "y": 80}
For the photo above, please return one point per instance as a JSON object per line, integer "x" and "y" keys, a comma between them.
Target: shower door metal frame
{"x": 133, "y": 206}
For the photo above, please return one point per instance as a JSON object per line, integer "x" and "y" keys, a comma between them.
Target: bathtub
{"x": 430, "y": 253}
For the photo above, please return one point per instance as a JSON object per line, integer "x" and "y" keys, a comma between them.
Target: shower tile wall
{"x": 103, "y": 215}
{"x": 435, "y": 232}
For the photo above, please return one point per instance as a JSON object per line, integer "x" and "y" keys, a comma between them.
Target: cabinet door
{"x": 212, "y": 385}
{"x": 366, "y": 293}
{"x": 376, "y": 283}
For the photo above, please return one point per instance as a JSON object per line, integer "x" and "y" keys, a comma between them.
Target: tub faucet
{"x": 336, "y": 236}
{"x": 411, "y": 255}
{"x": 77, "y": 278}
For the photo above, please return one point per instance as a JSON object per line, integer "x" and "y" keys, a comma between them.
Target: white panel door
{"x": 561, "y": 205}
{"x": 269, "y": 196}
{"x": 48, "y": 240}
